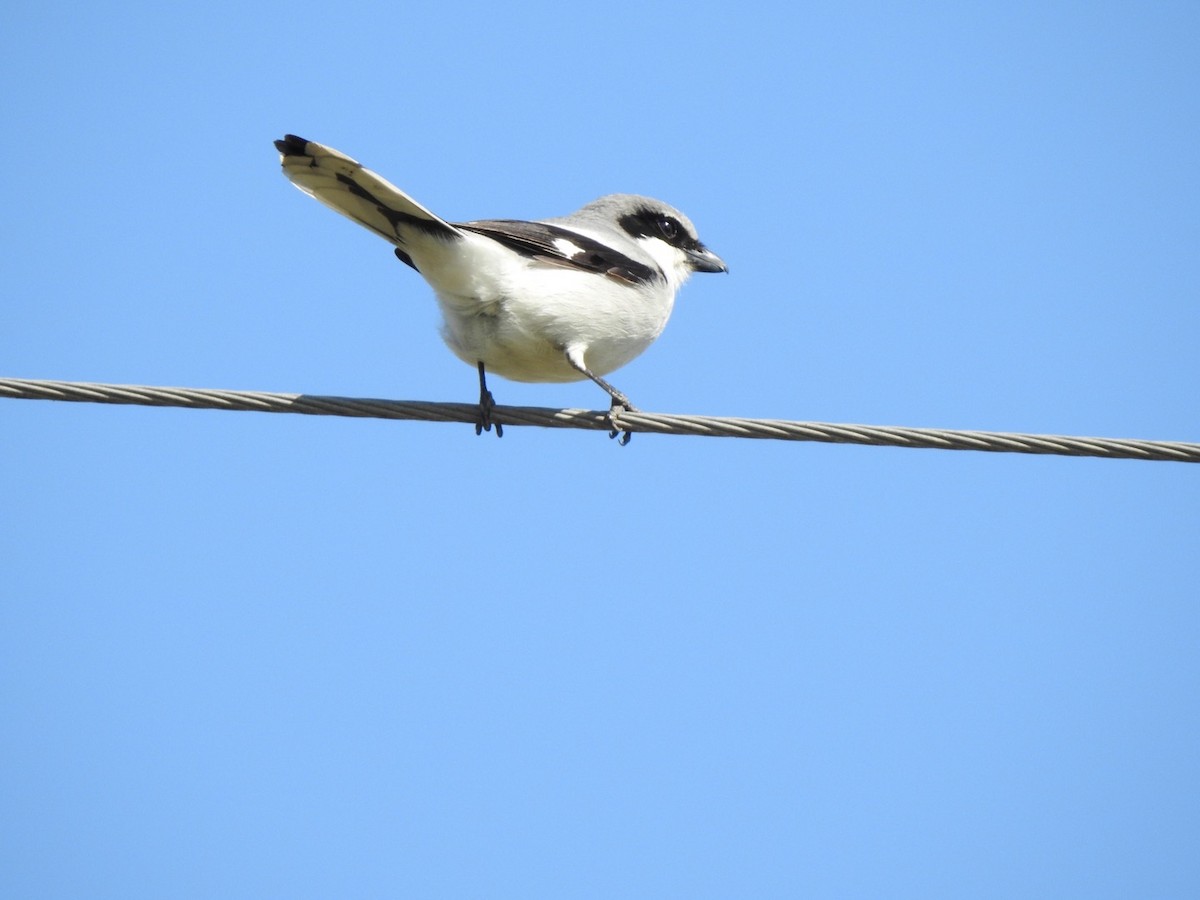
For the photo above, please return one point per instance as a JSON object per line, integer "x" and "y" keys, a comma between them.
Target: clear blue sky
{"x": 277, "y": 656}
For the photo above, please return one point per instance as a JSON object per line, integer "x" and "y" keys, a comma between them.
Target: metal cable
{"x": 658, "y": 423}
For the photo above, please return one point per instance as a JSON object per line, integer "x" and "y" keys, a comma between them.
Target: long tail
{"x": 357, "y": 193}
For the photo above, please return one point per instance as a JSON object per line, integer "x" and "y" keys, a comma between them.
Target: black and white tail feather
{"x": 555, "y": 300}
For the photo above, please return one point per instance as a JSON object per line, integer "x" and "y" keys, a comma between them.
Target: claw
{"x": 484, "y": 422}
{"x": 486, "y": 404}
{"x": 626, "y": 406}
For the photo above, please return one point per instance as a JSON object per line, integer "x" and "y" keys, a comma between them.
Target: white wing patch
{"x": 567, "y": 248}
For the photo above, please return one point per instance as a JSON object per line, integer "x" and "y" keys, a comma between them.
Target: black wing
{"x": 562, "y": 247}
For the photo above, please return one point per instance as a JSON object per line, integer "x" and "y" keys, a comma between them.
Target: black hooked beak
{"x": 704, "y": 260}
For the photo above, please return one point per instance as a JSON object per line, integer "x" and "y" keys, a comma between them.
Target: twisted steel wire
{"x": 635, "y": 421}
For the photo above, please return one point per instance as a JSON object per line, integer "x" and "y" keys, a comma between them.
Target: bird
{"x": 554, "y": 300}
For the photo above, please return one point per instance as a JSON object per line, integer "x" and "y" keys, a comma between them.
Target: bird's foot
{"x": 484, "y": 422}
{"x": 486, "y": 405}
{"x": 620, "y": 403}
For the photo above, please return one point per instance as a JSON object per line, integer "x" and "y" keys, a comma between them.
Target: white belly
{"x": 525, "y": 338}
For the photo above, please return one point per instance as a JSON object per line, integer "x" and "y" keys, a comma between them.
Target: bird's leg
{"x": 619, "y": 400}
{"x": 486, "y": 405}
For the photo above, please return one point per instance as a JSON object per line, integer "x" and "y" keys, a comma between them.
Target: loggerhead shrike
{"x": 555, "y": 300}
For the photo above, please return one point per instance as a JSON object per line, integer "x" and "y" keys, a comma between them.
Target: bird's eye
{"x": 669, "y": 228}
